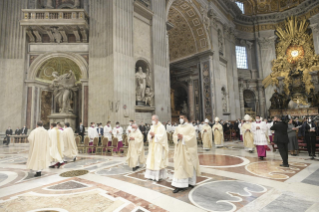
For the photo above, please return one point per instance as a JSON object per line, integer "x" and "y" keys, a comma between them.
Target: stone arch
{"x": 189, "y": 35}
{"x": 252, "y": 100}
{"x": 37, "y": 63}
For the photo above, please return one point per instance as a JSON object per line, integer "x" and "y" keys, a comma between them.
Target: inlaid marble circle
{"x": 273, "y": 170}
{"x": 218, "y": 195}
{"x": 221, "y": 161}
{"x": 115, "y": 170}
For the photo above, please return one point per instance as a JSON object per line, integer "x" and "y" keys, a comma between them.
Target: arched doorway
{"x": 250, "y": 103}
{"x": 43, "y": 72}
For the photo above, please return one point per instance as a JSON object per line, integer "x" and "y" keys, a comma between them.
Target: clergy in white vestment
{"x": 70, "y": 148}
{"x": 108, "y": 132}
{"x": 218, "y": 133}
{"x": 129, "y": 128}
{"x": 39, "y": 149}
{"x": 157, "y": 159}
{"x": 196, "y": 129}
{"x": 207, "y": 137}
{"x": 135, "y": 155}
{"x": 259, "y": 129}
{"x": 248, "y": 136}
{"x": 240, "y": 129}
{"x": 186, "y": 164}
{"x": 92, "y": 133}
{"x": 118, "y": 133}
{"x": 56, "y": 146}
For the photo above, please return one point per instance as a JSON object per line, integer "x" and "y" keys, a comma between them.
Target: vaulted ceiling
{"x": 255, "y": 7}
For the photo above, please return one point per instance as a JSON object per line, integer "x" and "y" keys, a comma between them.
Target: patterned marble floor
{"x": 231, "y": 180}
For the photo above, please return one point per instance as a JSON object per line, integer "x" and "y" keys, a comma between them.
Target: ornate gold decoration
{"x": 74, "y": 173}
{"x": 188, "y": 35}
{"x": 294, "y": 51}
{"x": 59, "y": 64}
{"x": 264, "y": 27}
{"x": 255, "y": 7}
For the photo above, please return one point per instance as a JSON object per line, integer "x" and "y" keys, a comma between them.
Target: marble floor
{"x": 232, "y": 180}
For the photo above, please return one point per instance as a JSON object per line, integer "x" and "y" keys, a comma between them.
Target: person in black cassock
{"x": 281, "y": 139}
{"x": 8, "y": 133}
{"x": 310, "y": 133}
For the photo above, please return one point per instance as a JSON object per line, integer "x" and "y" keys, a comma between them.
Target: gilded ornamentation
{"x": 60, "y": 65}
{"x": 255, "y": 7}
{"x": 189, "y": 35}
{"x": 295, "y": 55}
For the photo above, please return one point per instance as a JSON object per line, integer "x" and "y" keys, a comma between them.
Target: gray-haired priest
{"x": 39, "y": 152}
{"x": 186, "y": 162}
{"x": 135, "y": 154}
{"x": 157, "y": 159}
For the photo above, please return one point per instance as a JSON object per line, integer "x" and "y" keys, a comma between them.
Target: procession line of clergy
{"x": 50, "y": 147}
{"x": 186, "y": 164}
{"x": 255, "y": 134}
{"x": 207, "y": 134}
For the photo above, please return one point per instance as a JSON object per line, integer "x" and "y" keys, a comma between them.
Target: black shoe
{"x": 191, "y": 186}
{"x": 137, "y": 167}
{"x": 134, "y": 169}
{"x": 178, "y": 190}
{"x": 74, "y": 159}
{"x": 261, "y": 158}
{"x": 60, "y": 164}
{"x": 284, "y": 165}
{"x": 38, "y": 174}
{"x": 52, "y": 167}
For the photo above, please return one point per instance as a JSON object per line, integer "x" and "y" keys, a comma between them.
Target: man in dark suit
{"x": 310, "y": 133}
{"x": 236, "y": 128}
{"x": 8, "y": 133}
{"x": 81, "y": 130}
{"x": 17, "y": 131}
{"x": 281, "y": 139}
{"x": 100, "y": 131}
{"x": 24, "y": 130}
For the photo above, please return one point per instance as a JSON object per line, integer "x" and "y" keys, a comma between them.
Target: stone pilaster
{"x": 314, "y": 25}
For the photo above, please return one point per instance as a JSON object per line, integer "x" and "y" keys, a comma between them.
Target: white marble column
{"x": 314, "y": 24}
{"x": 266, "y": 53}
{"x": 12, "y": 64}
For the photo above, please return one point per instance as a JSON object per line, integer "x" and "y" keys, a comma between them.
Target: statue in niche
{"x": 49, "y": 4}
{"x": 184, "y": 108}
{"x": 76, "y": 4}
{"x": 149, "y": 97}
{"x": 140, "y": 77}
{"x": 220, "y": 42}
{"x": 63, "y": 90}
{"x": 276, "y": 100}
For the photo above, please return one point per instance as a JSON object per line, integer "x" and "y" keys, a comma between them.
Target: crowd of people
{"x": 18, "y": 131}
{"x": 54, "y": 147}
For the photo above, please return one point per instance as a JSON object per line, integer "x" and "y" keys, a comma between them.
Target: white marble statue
{"x": 140, "y": 77}
{"x": 49, "y": 4}
{"x": 63, "y": 90}
{"x": 57, "y": 35}
{"x": 149, "y": 97}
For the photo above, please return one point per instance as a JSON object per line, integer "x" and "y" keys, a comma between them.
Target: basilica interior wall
{"x": 12, "y": 64}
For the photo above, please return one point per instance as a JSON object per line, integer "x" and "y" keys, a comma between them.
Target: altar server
{"x": 118, "y": 133}
{"x": 248, "y": 136}
{"x": 186, "y": 164}
{"x": 129, "y": 128}
{"x": 207, "y": 136}
{"x": 218, "y": 133}
{"x": 108, "y": 132}
{"x": 259, "y": 129}
{"x": 56, "y": 146}
{"x": 70, "y": 148}
{"x": 240, "y": 129}
{"x": 157, "y": 159}
{"x": 92, "y": 133}
{"x": 135, "y": 154}
{"x": 39, "y": 151}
